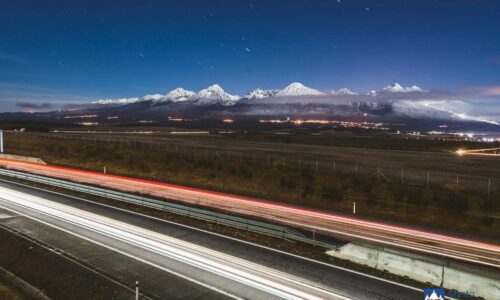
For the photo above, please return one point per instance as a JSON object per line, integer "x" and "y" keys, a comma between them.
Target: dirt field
{"x": 441, "y": 166}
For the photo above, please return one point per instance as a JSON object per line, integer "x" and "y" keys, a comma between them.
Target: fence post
{"x": 489, "y": 187}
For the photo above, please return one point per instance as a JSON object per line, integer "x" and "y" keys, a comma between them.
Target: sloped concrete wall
{"x": 486, "y": 287}
{"x": 360, "y": 254}
{"x": 413, "y": 268}
{"x": 436, "y": 271}
{"x": 23, "y": 158}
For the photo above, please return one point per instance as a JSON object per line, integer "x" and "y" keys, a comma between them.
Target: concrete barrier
{"x": 410, "y": 267}
{"x": 435, "y": 271}
{"x": 23, "y": 158}
{"x": 480, "y": 285}
{"x": 360, "y": 254}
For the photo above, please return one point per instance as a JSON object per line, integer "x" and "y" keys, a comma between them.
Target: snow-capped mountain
{"x": 343, "y": 92}
{"x": 117, "y": 101}
{"x": 154, "y": 97}
{"x": 178, "y": 95}
{"x": 260, "y": 94}
{"x": 298, "y": 89}
{"x": 397, "y": 88}
{"x": 214, "y": 94}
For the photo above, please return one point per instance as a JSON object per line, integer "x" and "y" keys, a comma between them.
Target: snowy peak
{"x": 154, "y": 97}
{"x": 298, "y": 89}
{"x": 178, "y": 95}
{"x": 343, "y": 92}
{"x": 214, "y": 94}
{"x": 397, "y": 88}
{"x": 260, "y": 94}
{"x": 117, "y": 101}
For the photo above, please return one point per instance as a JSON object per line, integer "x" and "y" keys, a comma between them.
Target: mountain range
{"x": 214, "y": 94}
{"x": 392, "y": 103}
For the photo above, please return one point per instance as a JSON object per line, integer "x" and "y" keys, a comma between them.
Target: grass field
{"x": 8, "y": 293}
{"x": 444, "y": 205}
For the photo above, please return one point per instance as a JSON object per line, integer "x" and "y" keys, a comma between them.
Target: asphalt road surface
{"x": 178, "y": 262}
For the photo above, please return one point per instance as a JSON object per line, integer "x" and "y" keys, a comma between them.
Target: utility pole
{"x": 1, "y": 141}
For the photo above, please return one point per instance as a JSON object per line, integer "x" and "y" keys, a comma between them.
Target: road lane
{"x": 321, "y": 222}
{"x": 212, "y": 269}
{"x": 346, "y": 282}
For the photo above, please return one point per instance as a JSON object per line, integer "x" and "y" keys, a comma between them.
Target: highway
{"x": 325, "y": 223}
{"x": 224, "y": 266}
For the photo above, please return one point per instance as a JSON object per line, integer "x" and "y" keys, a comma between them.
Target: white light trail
{"x": 253, "y": 275}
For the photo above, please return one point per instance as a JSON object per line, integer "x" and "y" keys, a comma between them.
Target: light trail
{"x": 322, "y": 222}
{"x": 480, "y": 152}
{"x": 270, "y": 281}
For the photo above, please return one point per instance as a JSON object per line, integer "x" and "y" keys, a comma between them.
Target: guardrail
{"x": 274, "y": 230}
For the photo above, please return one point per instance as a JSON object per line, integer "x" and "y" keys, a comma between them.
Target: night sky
{"x": 56, "y": 52}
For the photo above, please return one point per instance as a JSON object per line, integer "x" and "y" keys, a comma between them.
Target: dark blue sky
{"x": 58, "y": 51}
